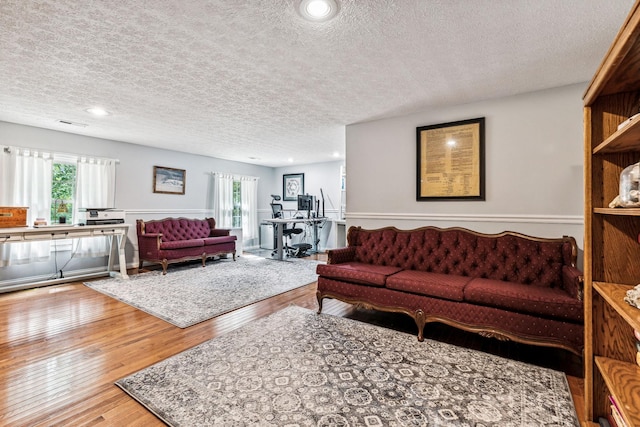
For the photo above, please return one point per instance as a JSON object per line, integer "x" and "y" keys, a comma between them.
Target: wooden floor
{"x": 63, "y": 347}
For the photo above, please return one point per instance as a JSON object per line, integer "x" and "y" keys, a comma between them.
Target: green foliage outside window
{"x": 237, "y": 205}
{"x": 62, "y": 189}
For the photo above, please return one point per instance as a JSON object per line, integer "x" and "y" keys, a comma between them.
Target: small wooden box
{"x": 13, "y": 217}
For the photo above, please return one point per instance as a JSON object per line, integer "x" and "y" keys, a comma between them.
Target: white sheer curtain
{"x": 25, "y": 181}
{"x": 95, "y": 188}
{"x": 223, "y": 200}
{"x": 249, "y": 203}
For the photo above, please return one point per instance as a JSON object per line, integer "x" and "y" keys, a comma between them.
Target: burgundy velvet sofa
{"x": 170, "y": 240}
{"x": 509, "y": 286}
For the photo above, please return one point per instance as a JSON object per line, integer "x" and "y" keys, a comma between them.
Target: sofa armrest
{"x": 149, "y": 245}
{"x": 216, "y": 232}
{"x": 572, "y": 281}
{"x": 338, "y": 256}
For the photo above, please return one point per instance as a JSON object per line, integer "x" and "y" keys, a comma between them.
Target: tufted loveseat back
{"x": 174, "y": 229}
{"x": 507, "y": 256}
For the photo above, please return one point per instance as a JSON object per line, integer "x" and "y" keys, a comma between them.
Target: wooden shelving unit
{"x": 612, "y": 247}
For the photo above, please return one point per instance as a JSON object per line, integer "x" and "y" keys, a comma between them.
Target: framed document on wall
{"x": 292, "y": 185}
{"x": 450, "y": 161}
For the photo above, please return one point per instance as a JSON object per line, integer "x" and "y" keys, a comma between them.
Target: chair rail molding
{"x": 168, "y": 211}
{"x": 512, "y": 218}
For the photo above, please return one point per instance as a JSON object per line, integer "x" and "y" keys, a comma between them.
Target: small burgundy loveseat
{"x": 170, "y": 240}
{"x": 507, "y": 285}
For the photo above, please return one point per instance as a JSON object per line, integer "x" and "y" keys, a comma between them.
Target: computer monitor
{"x": 306, "y": 202}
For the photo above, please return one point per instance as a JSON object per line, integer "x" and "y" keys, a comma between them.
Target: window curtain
{"x": 249, "y": 204}
{"x": 95, "y": 188}
{"x": 223, "y": 200}
{"x": 25, "y": 181}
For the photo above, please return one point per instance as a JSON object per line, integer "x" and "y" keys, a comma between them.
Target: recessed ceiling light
{"x": 97, "y": 111}
{"x": 318, "y": 10}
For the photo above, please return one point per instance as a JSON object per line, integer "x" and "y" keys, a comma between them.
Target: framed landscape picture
{"x": 168, "y": 180}
{"x": 450, "y": 161}
{"x": 292, "y": 185}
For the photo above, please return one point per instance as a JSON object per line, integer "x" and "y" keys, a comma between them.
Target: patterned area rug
{"x": 296, "y": 368}
{"x": 192, "y": 294}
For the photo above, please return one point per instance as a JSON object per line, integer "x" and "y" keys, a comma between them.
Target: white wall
{"x": 533, "y": 160}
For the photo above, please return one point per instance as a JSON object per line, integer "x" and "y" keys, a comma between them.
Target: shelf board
{"x": 614, "y": 295}
{"x": 623, "y": 381}
{"x": 625, "y": 139}
{"x": 618, "y": 211}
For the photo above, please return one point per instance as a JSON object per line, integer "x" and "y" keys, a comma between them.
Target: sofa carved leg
{"x": 165, "y": 264}
{"x": 320, "y": 298}
{"x": 419, "y": 317}
{"x": 234, "y": 255}
{"x": 204, "y": 259}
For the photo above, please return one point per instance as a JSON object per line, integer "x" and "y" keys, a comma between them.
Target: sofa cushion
{"x": 179, "y": 244}
{"x": 431, "y": 284}
{"x": 218, "y": 240}
{"x": 550, "y": 302}
{"x": 356, "y": 272}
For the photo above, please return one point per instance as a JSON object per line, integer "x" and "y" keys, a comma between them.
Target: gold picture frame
{"x": 168, "y": 180}
{"x": 450, "y": 161}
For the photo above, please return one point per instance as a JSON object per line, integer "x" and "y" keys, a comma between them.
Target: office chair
{"x": 287, "y": 233}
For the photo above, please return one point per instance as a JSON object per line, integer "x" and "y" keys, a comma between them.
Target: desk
{"x": 117, "y": 232}
{"x": 279, "y": 223}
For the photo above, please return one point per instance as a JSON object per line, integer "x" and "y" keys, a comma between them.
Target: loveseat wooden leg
{"x": 204, "y": 259}
{"x": 165, "y": 264}
{"x": 419, "y": 317}
{"x": 320, "y": 298}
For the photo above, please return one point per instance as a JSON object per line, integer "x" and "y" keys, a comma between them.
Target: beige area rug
{"x": 192, "y": 294}
{"x": 297, "y": 368}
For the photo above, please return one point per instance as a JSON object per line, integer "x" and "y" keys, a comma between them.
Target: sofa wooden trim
{"x": 422, "y": 320}
{"x": 417, "y": 315}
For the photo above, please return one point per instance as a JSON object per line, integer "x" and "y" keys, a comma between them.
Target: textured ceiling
{"x": 251, "y": 81}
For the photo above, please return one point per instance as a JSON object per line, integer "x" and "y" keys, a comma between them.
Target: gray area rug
{"x": 297, "y": 368}
{"x": 192, "y": 294}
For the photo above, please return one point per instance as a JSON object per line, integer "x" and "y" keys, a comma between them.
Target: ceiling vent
{"x": 70, "y": 123}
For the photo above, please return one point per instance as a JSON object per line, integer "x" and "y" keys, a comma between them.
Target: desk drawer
{"x": 10, "y": 238}
{"x": 109, "y": 232}
{"x": 55, "y": 235}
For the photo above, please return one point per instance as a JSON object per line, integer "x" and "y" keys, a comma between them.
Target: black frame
{"x": 288, "y": 181}
{"x": 477, "y": 128}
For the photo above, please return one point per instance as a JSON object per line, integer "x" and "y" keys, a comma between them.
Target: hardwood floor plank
{"x": 63, "y": 347}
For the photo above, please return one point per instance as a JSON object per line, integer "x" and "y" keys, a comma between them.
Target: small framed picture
{"x": 168, "y": 180}
{"x": 292, "y": 185}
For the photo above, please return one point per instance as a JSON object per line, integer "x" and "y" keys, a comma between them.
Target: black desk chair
{"x": 287, "y": 233}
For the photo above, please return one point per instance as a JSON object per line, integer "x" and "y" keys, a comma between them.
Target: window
{"x": 62, "y": 192}
{"x": 236, "y": 215}
{"x": 234, "y": 203}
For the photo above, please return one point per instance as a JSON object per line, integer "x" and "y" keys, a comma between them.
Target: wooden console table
{"x": 116, "y": 232}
